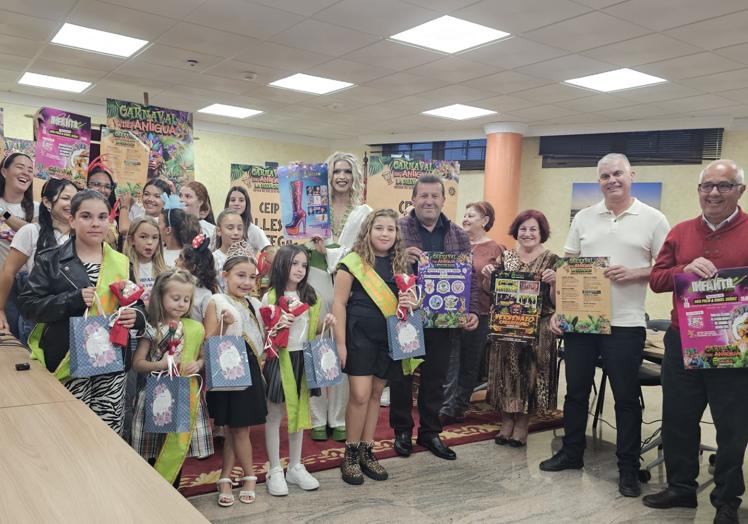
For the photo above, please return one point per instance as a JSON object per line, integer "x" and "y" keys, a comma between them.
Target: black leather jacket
{"x": 52, "y": 295}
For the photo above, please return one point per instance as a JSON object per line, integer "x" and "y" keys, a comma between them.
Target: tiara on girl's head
{"x": 239, "y": 249}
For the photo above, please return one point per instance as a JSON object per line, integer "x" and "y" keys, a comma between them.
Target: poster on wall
{"x": 166, "y": 132}
{"x": 304, "y": 201}
{"x": 10, "y": 145}
{"x": 390, "y": 182}
{"x": 127, "y": 156}
{"x": 63, "y": 142}
{"x": 585, "y": 194}
{"x": 713, "y": 319}
{"x": 262, "y": 185}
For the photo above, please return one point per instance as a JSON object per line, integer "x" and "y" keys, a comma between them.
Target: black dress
{"x": 366, "y": 328}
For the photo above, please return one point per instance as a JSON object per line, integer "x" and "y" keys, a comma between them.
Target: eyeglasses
{"x": 346, "y": 171}
{"x": 99, "y": 185}
{"x": 722, "y": 187}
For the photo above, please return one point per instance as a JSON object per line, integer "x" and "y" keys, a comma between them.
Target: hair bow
{"x": 171, "y": 202}
{"x": 98, "y": 163}
{"x": 198, "y": 241}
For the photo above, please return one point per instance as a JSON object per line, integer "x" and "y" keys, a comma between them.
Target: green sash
{"x": 380, "y": 293}
{"x": 297, "y": 404}
{"x": 176, "y": 445}
{"x": 114, "y": 267}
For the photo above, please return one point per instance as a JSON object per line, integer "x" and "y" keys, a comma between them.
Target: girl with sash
{"x": 365, "y": 294}
{"x": 168, "y": 312}
{"x": 66, "y": 281}
{"x": 284, "y": 374}
{"x": 234, "y": 313}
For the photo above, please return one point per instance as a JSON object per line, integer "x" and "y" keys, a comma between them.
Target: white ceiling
{"x": 700, "y": 47}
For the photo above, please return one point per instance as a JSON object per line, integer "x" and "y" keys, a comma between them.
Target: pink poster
{"x": 63, "y": 142}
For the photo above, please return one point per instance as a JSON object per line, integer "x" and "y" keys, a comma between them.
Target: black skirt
{"x": 274, "y": 385}
{"x": 239, "y": 409}
{"x": 368, "y": 348}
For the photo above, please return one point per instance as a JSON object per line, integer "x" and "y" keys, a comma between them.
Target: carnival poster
{"x": 517, "y": 300}
{"x": 127, "y": 156}
{"x": 583, "y": 301}
{"x": 262, "y": 185}
{"x": 713, "y": 319}
{"x": 390, "y": 182}
{"x": 166, "y": 132}
{"x": 63, "y": 142}
{"x": 304, "y": 201}
{"x": 444, "y": 279}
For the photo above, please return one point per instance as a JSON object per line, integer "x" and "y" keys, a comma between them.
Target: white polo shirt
{"x": 632, "y": 239}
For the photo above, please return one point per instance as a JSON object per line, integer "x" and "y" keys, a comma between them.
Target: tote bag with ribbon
{"x": 167, "y": 400}
{"x": 405, "y": 331}
{"x": 91, "y": 351}
{"x": 226, "y": 363}
{"x": 321, "y": 362}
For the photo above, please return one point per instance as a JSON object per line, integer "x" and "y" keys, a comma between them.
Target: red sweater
{"x": 726, "y": 247}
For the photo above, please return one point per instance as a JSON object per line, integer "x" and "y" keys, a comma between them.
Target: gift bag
{"x": 167, "y": 404}
{"x": 321, "y": 362}
{"x": 91, "y": 351}
{"x": 226, "y": 364}
{"x": 405, "y": 335}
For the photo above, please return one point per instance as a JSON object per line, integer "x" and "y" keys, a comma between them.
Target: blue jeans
{"x": 19, "y": 326}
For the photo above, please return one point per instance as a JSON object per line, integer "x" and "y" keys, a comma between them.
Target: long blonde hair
{"x": 362, "y": 247}
{"x": 357, "y": 187}
{"x": 156, "y": 313}
{"x": 159, "y": 266}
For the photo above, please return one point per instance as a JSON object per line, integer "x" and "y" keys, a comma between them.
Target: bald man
{"x": 717, "y": 239}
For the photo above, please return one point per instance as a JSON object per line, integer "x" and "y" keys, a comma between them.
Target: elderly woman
{"x": 522, "y": 377}
{"x": 466, "y": 357}
{"x": 347, "y": 215}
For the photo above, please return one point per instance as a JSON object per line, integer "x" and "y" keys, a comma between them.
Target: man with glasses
{"x": 716, "y": 239}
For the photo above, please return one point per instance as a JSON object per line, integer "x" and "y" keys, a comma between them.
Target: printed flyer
{"x": 390, "y": 182}
{"x": 304, "y": 200}
{"x": 713, "y": 319}
{"x": 63, "y": 142}
{"x": 262, "y": 184}
{"x": 166, "y": 132}
{"x": 127, "y": 156}
{"x": 583, "y": 295}
{"x": 517, "y": 303}
{"x": 444, "y": 279}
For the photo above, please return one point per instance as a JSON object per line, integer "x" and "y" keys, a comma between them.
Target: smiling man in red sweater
{"x": 715, "y": 240}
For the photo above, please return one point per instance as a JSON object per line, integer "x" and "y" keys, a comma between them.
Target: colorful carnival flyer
{"x": 583, "y": 295}
{"x": 444, "y": 279}
{"x": 63, "y": 142}
{"x": 517, "y": 302}
{"x": 127, "y": 156}
{"x": 304, "y": 201}
{"x": 713, "y": 319}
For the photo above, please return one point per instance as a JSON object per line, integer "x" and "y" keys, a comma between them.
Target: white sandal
{"x": 224, "y": 499}
{"x": 247, "y": 494}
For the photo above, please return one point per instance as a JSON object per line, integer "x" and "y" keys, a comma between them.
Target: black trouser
{"x": 464, "y": 366}
{"x": 621, "y": 353}
{"x": 685, "y": 394}
{"x": 430, "y": 391}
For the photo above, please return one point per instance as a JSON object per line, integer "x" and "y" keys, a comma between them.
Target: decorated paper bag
{"x": 167, "y": 404}
{"x": 321, "y": 362}
{"x": 226, "y": 364}
{"x": 91, "y": 351}
{"x": 405, "y": 335}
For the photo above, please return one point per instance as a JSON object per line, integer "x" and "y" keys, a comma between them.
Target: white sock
{"x": 294, "y": 448}
{"x": 272, "y": 433}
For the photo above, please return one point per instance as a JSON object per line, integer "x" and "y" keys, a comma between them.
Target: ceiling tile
{"x": 144, "y": 70}
{"x": 736, "y": 111}
{"x": 238, "y": 71}
{"x": 566, "y": 67}
{"x": 238, "y": 16}
{"x": 120, "y": 20}
{"x": 506, "y": 82}
{"x": 442, "y": 6}
{"x": 586, "y": 31}
{"x": 663, "y": 14}
{"x": 687, "y": 66}
{"x": 54, "y": 68}
{"x": 109, "y": 88}
{"x": 694, "y": 103}
{"x": 67, "y": 55}
{"x": 376, "y": 17}
{"x": 393, "y": 55}
{"x": 206, "y": 40}
{"x": 513, "y": 52}
{"x": 519, "y": 16}
{"x": 168, "y": 8}
{"x": 739, "y": 52}
{"x": 14, "y": 24}
{"x": 597, "y": 4}
{"x": 504, "y": 103}
{"x": 596, "y": 103}
{"x": 542, "y": 112}
{"x": 177, "y": 57}
{"x": 136, "y": 82}
{"x": 640, "y": 112}
{"x": 348, "y": 71}
{"x": 301, "y": 7}
{"x": 739, "y": 95}
{"x": 321, "y": 37}
{"x": 657, "y": 93}
{"x": 13, "y": 62}
{"x": 582, "y": 118}
{"x": 40, "y": 8}
{"x": 719, "y": 81}
{"x": 453, "y": 69}
{"x": 716, "y": 32}
{"x": 404, "y": 84}
{"x": 280, "y": 56}
{"x": 20, "y": 46}
{"x": 552, "y": 93}
{"x": 275, "y": 94}
{"x": 642, "y": 50}
{"x": 454, "y": 94}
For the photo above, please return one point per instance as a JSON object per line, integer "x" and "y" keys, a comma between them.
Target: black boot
{"x": 350, "y": 468}
{"x": 370, "y": 466}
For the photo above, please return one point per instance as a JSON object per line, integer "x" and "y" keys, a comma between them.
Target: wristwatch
{"x": 5, "y": 213}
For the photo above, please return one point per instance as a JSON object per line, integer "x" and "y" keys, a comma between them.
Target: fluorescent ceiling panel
{"x": 459, "y": 112}
{"x": 310, "y": 84}
{"x": 53, "y": 82}
{"x": 88, "y": 39}
{"x": 449, "y": 35}
{"x": 616, "y": 80}
{"x": 230, "y": 111}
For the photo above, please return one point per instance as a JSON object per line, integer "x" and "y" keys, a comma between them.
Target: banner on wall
{"x": 391, "y": 179}
{"x": 127, "y": 156}
{"x": 166, "y": 132}
{"x": 10, "y": 145}
{"x": 262, "y": 185}
{"x": 63, "y": 142}
{"x": 304, "y": 201}
{"x": 585, "y": 194}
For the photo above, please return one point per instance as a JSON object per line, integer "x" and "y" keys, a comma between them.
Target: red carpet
{"x": 200, "y": 476}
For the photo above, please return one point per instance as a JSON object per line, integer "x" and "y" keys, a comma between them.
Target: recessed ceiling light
{"x": 615, "y": 80}
{"x": 80, "y": 37}
{"x": 230, "y": 111}
{"x": 310, "y": 84}
{"x": 449, "y": 35}
{"x": 459, "y": 112}
{"x": 53, "y": 82}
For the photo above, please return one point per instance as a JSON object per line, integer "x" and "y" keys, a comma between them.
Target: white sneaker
{"x": 276, "y": 482}
{"x": 300, "y": 476}
{"x": 384, "y": 401}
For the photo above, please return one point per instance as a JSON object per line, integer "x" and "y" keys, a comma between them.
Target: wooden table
{"x": 60, "y": 463}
